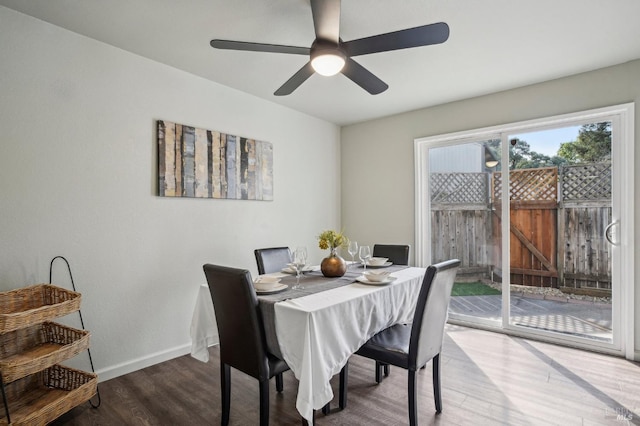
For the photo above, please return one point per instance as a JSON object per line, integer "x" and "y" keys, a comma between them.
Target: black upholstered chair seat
{"x": 276, "y": 365}
{"x": 390, "y": 346}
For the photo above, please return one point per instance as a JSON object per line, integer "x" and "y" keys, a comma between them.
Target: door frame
{"x": 623, "y": 270}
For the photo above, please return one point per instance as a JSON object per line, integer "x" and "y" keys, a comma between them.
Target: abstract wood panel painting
{"x": 201, "y": 163}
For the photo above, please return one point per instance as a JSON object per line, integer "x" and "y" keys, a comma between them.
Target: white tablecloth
{"x": 318, "y": 333}
{"x": 204, "y": 330}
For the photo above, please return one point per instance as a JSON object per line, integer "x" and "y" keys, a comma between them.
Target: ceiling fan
{"x": 330, "y": 55}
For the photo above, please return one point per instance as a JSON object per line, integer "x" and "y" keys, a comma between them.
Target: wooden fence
{"x": 461, "y": 220}
{"x": 557, "y": 221}
{"x": 584, "y": 211}
{"x": 533, "y": 239}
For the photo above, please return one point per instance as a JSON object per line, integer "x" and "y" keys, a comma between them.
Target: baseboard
{"x": 142, "y": 362}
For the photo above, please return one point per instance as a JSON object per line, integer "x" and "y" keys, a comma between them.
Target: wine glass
{"x": 298, "y": 262}
{"x": 353, "y": 250}
{"x": 365, "y": 254}
{"x": 303, "y": 254}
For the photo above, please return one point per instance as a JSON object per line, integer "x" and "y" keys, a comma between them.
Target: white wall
{"x": 78, "y": 179}
{"x": 382, "y": 150}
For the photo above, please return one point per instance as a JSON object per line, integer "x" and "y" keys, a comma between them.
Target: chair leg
{"x": 326, "y": 409}
{"x": 378, "y": 372}
{"x": 313, "y": 420}
{"x": 264, "y": 403}
{"x": 225, "y": 385}
{"x": 386, "y": 370}
{"x": 342, "y": 399}
{"x": 413, "y": 409}
{"x": 437, "y": 395}
{"x": 279, "y": 385}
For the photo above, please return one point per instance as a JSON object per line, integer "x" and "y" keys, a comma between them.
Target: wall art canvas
{"x": 202, "y": 163}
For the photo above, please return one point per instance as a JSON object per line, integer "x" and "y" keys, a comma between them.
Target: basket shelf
{"x": 39, "y": 398}
{"x": 29, "y": 350}
{"x": 35, "y": 304}
{"x": 35, "y": 388}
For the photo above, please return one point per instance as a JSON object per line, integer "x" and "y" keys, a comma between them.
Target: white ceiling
{"x": 494, "y": 45}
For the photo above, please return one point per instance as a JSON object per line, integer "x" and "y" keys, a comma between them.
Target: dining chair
{"x": 411, "y": 346}
{"x": 272, "y": 259}
{"x": 398, "y": 254}
{"x": 242, "y": 338}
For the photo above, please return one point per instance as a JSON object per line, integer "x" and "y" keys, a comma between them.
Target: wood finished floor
{"x": 487, "y": 379}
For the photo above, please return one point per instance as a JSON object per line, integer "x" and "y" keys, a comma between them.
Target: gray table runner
{"x": 312, "y": 282}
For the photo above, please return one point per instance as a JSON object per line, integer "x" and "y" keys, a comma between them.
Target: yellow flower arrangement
{"x": 332, "y": 239}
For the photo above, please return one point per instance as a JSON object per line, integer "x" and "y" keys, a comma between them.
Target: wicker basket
{"x": 32, "y": 305}
{"x": 29, "y": 350}
{"x": 40, "y": 398}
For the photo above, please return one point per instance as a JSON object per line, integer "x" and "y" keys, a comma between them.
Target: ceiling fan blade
{"x": 363, "y": 77}
{"x": 403, "y": 39}
{"x": 258, "y": 47}
{"x": 295, "y": 81}
{"x": 326, "y": 19}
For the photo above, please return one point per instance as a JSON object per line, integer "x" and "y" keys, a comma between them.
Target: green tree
{"x": 593, "y": 144}
{"x": 519, "y": 153}
{"x": 522, "y": 157}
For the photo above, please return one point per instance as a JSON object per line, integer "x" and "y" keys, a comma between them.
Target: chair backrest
{"x": 242, "y": 338}
{"x": 427, "y": 331}
{"x": 272, "y": 259}
{"x": 398, "y": 254}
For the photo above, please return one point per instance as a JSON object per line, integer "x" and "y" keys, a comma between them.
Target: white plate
{"x": 363, "y": 280}
{"x": 384, "y": 265}
{"x": 288, "y": 270}
{"x": 266, "y": 279}
{"x": 276, "y": 289}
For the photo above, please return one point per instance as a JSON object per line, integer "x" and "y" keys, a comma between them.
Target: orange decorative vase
{"x": 333, "y": 265}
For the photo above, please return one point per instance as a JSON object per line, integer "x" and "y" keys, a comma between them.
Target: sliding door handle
{"x": 609, "y": 231}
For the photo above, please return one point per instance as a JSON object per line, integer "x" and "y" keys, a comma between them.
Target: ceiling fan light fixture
{"x": 327, "y": 62}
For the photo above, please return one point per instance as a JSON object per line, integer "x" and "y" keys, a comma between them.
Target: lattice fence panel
{"x": 458, "y": 188}
{"x": 539, "y": 184}
{"x": 586, "y": 182}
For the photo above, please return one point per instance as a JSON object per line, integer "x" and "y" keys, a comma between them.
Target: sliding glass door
{"x": 463, "y": 225}
{"x": 560, "y": 204}
{"x": 540, "y": 215}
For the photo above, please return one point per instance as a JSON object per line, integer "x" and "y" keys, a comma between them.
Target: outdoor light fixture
{"x": 490, "y": 160}
{"x": 327, "y": 59}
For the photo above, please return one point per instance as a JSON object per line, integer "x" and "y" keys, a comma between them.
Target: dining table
{"x": 316, "y": 328}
